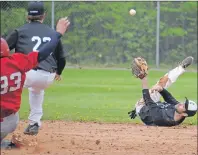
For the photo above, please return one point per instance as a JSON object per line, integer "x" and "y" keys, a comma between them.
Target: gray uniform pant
{"x": 9, "y": 124}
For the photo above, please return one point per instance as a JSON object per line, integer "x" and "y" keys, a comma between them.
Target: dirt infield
{"x": 69, "y": 138}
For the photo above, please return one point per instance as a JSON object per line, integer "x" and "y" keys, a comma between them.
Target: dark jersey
{"x": 160, "y": 113}
{"x": 31, "y": 37}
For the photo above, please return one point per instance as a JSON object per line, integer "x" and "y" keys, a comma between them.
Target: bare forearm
{"x": 145, "y": 83}
{"x": 145, "y": 92}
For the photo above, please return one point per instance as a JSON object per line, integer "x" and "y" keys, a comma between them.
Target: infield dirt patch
{"x": 73, "y": 138}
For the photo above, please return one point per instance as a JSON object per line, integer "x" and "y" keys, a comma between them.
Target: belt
{"x": 53, "y": 70}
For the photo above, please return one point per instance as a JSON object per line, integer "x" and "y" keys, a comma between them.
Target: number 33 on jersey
{"x": 13, "y": 69}
{"x": 10, "y": 83}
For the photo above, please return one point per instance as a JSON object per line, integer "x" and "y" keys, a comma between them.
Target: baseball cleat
{"x": 32, "y": 129}
{"x": 6, "y": 144}
{"x": 187, "y": 62}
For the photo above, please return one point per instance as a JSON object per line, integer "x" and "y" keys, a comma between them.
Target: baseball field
{"x": 86, "y": 113}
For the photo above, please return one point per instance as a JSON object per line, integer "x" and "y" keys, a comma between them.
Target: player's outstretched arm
{"x": 140, "y": 70}
{"x": 144, "y": 83}
{"x": 145, "y": 91}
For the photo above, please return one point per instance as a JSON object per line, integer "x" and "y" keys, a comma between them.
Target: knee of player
{"x": 36, "y": 91}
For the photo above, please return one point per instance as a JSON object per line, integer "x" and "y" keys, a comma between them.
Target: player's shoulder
{"x": 23, "y": 27}
{"x": 36, "y": 25}
{"x": 43, "y": 26}
{"x": 47, "y": 27}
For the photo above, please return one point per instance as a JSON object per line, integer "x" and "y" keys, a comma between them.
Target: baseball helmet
{"x": 4, "y": 48}
{"x": 191, "y": 107}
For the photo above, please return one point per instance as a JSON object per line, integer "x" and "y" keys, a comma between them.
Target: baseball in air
{"x": 132, "y": 12}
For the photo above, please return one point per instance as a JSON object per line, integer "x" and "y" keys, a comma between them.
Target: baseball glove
{"x": 24, "y": 141}
{"x": 139, "y": 67}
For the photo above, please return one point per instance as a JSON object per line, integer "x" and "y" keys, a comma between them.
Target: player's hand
{"x": 62, "y": 25}
{"x": 156, "y": 88}
{"x": 57, "y": 77}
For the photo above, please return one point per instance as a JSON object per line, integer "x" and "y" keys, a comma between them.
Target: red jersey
{"x": 13, "y": 70}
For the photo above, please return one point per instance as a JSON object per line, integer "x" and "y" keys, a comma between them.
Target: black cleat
{"x": 6, "y": 144}
{"x": 187, "y": 62}
{"x": 32, "y": 129}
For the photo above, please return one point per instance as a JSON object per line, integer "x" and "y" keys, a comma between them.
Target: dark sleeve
{"x": 60, "y": 52}
{"x": 168, "y": 97}
{"x": 49, "y": 47}
{"x": 60, "y": 57}
{"x": 12, "y": 39}
{"x": 147, "y": 97}
{"x": 61, "y": 65}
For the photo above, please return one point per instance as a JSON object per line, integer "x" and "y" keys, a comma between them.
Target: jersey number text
{"x": 39, "y": 41}
{"x": 16, "y": 77}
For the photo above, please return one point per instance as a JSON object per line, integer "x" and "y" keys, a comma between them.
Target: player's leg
{"x": 176, "y": 72}
{"x": 166, "y": 81}
{"x": 37, "y": 81}
{"x": 8, "y": 125}
{"x": 171, "y": 77}
{"x": 31, "y": 80}
{"x": 36, "y": 99}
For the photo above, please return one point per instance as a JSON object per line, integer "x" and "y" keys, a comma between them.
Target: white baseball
{"x": 132, "y": 12}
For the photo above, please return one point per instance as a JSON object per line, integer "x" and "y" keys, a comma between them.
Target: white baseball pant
{"x": 36, "y": 81}
{"x": 9, "y": 124}
{"x": 171, "y": 78}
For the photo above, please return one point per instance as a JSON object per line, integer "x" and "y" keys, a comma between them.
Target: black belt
{"x": 52, "y": 70}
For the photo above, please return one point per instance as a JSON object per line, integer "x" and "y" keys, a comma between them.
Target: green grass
{"x": 103, "y": 95}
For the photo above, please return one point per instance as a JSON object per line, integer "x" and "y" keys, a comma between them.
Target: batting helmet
{"x": 4, "y": 48}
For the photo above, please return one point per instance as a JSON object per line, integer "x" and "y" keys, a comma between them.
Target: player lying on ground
{"x": 169, "y": 113}
{"x": 13, "y": 69}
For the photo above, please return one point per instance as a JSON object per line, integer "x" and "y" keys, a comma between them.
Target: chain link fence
{"x": 104, "y": 34}
{"x": 13, "y": 15}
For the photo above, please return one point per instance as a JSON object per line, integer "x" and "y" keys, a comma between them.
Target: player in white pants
{"x": 166, "y": 81}
{"x": 36, "y": 81}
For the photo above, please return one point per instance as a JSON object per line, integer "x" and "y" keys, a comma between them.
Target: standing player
{"x": 32, "y": 36}
{"x": 13, "y": 73}
{"x": 169, "y": 113}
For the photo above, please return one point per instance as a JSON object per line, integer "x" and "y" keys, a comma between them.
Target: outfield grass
{"x": 103, "y": 95}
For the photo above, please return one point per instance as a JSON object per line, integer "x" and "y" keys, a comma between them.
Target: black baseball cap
{"x": 35, "y": 8}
